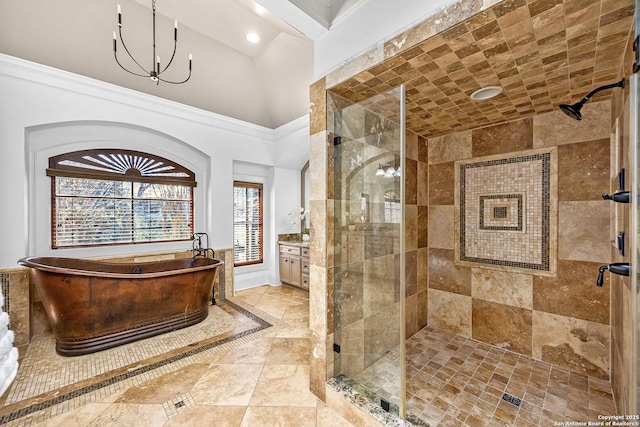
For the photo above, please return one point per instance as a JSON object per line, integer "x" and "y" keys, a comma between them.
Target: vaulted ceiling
{"x": 265, "y": 83}
{"x": 542, "y": 52}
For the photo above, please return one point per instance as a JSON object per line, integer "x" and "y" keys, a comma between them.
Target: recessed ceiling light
{"x": 253, "y": 38}
{"x": 486, "y": 93}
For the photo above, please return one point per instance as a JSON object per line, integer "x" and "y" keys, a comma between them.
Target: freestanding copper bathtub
{"x": 95, "y": 305}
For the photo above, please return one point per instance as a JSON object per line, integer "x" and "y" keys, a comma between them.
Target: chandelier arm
{"x": 175, "y": 45}
{"x": 154, "y": 74}
{"x": 129, "y": 53}
{"x": 176, "y": 83}
{"x": 115, "y": 55}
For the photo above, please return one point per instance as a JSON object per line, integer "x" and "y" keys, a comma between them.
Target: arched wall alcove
{"x": 47, "y": 140}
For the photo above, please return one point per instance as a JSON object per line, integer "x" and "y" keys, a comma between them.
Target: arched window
{"x": 115, "y": 197}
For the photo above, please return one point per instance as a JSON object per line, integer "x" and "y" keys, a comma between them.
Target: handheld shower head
{"x": 573, "y": 110}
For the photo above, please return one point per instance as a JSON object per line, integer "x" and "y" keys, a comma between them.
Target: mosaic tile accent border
{"x": 108, "y": 382}
{"x": 506, "y": 209}
{"x": 4, "y": 284}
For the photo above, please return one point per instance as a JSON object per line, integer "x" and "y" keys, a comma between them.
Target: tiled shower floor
{"x": 456, "y": 381}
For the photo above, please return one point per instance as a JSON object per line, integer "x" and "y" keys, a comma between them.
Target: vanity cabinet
{"x": 294, "y": 265}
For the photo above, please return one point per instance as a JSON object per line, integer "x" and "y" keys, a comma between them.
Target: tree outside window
{"x": 247, "y": 223}
{"x": 111, "y": 197}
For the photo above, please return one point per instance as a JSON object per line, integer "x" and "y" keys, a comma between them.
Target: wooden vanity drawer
{"x": 291, "y": 250}
{"x": 305, "y": 266}
{"x": 305, "y": 281}
{"x": 305, "y": 251}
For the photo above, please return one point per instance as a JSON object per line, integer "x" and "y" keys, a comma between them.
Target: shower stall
{"x": 464, "y": 266}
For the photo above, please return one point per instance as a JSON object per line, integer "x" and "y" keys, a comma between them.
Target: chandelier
{"x": 157, "y": 71}
{"x": 388, "y": 171}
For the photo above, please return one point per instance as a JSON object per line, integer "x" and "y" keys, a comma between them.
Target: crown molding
{"x": 20, "y": 69}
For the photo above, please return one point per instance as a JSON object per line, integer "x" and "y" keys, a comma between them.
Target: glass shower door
{"x": 369, "y": 328}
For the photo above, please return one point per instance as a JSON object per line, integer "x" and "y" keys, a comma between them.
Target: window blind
{"x": 89, "y": 212}
{"x": 247, "y": 223}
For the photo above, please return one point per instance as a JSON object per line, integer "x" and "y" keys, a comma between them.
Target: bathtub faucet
{"x": 197, "y": 249}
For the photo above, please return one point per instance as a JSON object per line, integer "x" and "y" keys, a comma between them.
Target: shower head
{"x": 573, "y": 110}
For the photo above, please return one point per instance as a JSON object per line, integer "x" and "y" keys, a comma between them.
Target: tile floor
{"x": 457, "y": 381}
{"x": 247, "y": 365}
{"x": 248, "y": 374}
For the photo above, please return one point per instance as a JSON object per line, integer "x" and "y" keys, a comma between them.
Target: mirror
{"x": 304, "y": 196}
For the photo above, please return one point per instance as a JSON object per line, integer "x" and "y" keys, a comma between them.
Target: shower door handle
{"x": 621, "y": 268}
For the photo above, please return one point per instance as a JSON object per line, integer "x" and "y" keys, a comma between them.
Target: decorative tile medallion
{"x": 501, "y": 212}
{"x": 506, "y": 211}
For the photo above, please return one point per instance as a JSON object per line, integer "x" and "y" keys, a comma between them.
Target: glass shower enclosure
{"x": 368, "y": 143}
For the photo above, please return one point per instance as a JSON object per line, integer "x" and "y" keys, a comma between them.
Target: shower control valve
{"x": 621, "y": 268}
{"x": 619, "y": 197}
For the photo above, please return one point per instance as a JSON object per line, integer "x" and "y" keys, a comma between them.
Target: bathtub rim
{"x": 30, "y": 262}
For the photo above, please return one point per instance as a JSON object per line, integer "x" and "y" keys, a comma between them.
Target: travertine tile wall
{"x": 321, "y": 272}
{"x": 622, "y": 315}
{"x": 417, "y": 221}
{"x": 562, "y": 320}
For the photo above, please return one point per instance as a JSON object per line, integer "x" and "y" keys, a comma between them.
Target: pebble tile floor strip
{"x": 247, "y": 365}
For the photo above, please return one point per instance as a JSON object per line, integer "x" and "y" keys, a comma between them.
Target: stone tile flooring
{"x": 234, "y": 369}
{"x": 244, "y": 369}
{"x": 457, "y": 381}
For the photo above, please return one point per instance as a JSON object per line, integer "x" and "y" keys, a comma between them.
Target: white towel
{"x": 8, "y": 369}
{"x": 4, "y": 321}
{"x": 6, "y": 342}
{"x": 8, "y": 353}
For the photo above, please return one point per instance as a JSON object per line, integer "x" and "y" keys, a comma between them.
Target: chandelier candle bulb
{"x": 175, "y": 31}
{"x": 119, "y": 16}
